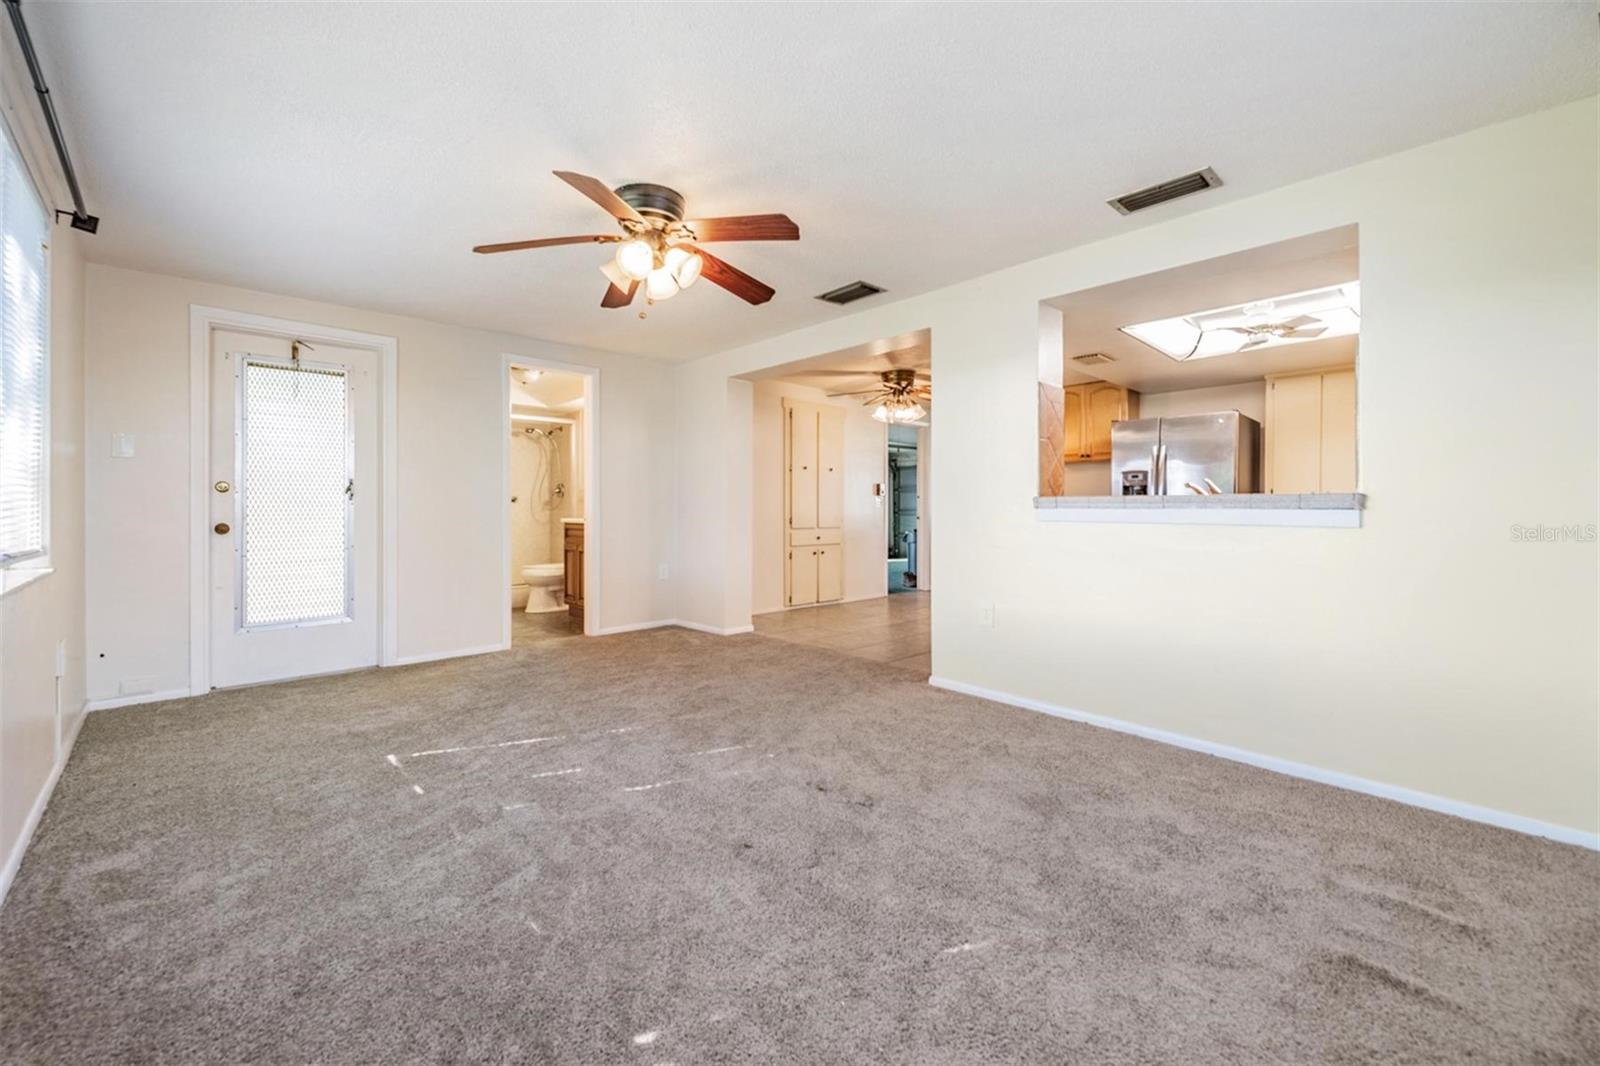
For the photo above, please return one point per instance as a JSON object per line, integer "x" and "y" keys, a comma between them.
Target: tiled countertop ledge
{"x": 1308, "y": 501}
{"x": 1327, "y": 509}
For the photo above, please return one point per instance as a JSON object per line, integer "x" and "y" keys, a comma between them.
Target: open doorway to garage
{"x": 903, "y": 497}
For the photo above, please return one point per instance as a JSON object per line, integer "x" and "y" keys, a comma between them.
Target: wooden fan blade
{"x": 616, "y": 297}
{"x": 859, "y": 392}
{"x": 735, "y": 280}
{"x": 545, "y": 242}
{"x": 600, "y": 193}
{"x": 905, "y": 358}
{"x": 1305, "y": 332}
{"x": 745, "y": 228}
{"x": 1300, "y": 322}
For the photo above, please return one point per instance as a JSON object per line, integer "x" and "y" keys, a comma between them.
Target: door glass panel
{"x": 294, "y": 431}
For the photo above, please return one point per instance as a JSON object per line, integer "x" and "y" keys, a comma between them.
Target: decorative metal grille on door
{"x": 295, "y": 491}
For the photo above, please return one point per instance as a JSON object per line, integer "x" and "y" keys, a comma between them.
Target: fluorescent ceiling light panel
{"x": 1259, "y": 324}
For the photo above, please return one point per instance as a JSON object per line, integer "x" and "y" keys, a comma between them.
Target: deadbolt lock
{"x": 221, "y": 527}
{"x": 222, "y": 486}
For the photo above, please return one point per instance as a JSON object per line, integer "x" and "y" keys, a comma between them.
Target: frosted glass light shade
{"x": 660, "y": 285}
{"x": 635, "y": 259}
{"x": 685, "y": 266}
{"x": 899, "y": 412}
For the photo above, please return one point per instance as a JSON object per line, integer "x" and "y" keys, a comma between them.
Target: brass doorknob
{"x": 221, "y": 527}
{"x": 222, "y": 486}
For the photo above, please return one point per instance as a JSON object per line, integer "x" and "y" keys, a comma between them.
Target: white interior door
{"x": 293, "y": 521}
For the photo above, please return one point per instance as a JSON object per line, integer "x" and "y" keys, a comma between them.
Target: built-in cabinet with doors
{"x": 1311, "y": 431}
{"x": 1087, "y": 412}
{"x": 813, "y": 456}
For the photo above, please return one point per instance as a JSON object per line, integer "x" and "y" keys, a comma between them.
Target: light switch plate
{"x": 986, "y": 616}
{"x": 661, "y": 572}
{"x": 122, "y": 445}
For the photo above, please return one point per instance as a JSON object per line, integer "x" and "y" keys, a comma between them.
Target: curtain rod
{"x": 81, "y": 218}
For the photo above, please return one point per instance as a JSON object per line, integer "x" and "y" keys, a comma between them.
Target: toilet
{"x": 546, "y": 587}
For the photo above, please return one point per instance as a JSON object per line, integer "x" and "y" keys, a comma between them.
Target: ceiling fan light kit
{"x": 899, "y": 412}
{"x": 658, "y": 248}
{"x": 898, "y": 400}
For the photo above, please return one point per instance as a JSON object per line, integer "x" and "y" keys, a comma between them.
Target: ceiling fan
{"x": 658, "y": 248}
{"x": 898, "y": 398}
{"x": 1258, "y": 333}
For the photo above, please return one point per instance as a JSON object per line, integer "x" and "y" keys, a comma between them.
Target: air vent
{"x": 1167, "y": 190}
{"x": 1093, "y": 359}
{"x": 844, "y": 294}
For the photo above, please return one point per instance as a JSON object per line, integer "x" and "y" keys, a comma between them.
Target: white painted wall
{"x": 36, "y": 616}
{"x": 866, "y": 559}
{"x": 451, "y": 511}
{"x": 50, "y": 609}
{"x": 1429, "y": 650}
{"x": 1249, "y": 399}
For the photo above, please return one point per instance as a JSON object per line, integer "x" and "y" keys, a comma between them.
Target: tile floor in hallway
{"x": 893, "y": 630}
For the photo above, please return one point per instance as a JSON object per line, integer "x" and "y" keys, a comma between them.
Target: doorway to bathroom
{"x": 549, "y": 424}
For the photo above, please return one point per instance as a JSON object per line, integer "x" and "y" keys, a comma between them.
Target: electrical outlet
{"x": 986, "y": 616}
{"x": 661, "y": 571}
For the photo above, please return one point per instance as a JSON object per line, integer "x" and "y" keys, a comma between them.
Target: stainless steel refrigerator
{"x": 1165, "y": 456}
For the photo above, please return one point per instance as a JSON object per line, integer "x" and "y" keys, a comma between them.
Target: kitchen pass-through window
{"x": 24, "y": 363}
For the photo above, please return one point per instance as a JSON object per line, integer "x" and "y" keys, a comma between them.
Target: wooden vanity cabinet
{"x": 572, "y": 560}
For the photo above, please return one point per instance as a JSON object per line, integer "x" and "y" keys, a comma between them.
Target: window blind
{"x": 24, "y": 372}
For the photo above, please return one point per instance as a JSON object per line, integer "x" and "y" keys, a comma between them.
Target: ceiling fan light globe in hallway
{"x": 898, "y": 412}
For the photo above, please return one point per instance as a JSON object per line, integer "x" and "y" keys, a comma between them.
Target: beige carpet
{"x": 665, "y": 847}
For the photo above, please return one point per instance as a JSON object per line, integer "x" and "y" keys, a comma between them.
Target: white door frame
{"x": 202, "y": 320}
{"x": 591, "y": 485}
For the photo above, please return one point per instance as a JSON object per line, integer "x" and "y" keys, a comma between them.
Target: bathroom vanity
{"x": 572, "y": 560}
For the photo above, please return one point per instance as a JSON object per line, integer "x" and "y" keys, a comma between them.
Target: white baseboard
{"x": 13, "y": 862}
{"x": 633, "y": 627}
{"x": 1426, "y": 800}
{"x": 701, "y": 627}
{"x": 145, "y": 697}
{"x": 458, "y": 653}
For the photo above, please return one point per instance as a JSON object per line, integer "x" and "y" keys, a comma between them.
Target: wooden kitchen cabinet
{"x": 1087, "y": 412}
{"x": 1310, "y": 429}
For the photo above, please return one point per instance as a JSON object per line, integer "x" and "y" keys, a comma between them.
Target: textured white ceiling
{"x": 354, "y": 153}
